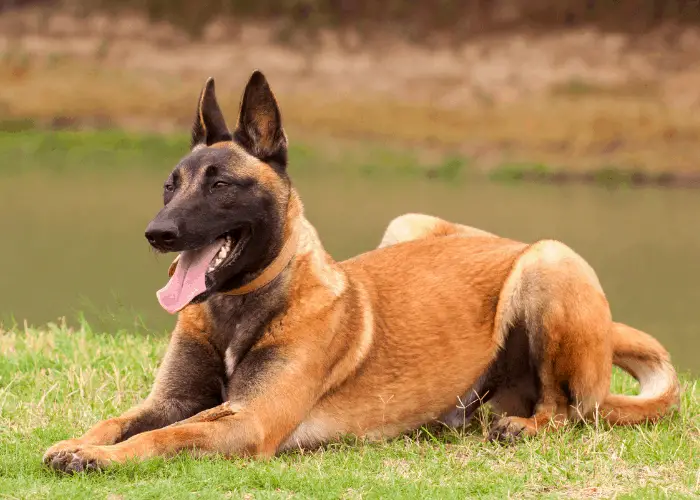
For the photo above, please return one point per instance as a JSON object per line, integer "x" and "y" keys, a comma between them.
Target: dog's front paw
{"x": 60, "y": 448}
{"x": 507, "y": 430}
{"x": 78, "y": 459}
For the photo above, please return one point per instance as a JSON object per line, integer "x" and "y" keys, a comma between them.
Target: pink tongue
{"x": 188, "y": 280}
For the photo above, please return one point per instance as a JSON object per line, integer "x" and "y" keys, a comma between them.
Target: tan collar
{"x": 269, "y": 273}
{"x": 273, "y": 270}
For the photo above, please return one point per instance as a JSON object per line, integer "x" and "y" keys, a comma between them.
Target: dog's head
{"x": 225, "y": 202}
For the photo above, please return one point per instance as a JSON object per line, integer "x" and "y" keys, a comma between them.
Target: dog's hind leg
{"x": 558, "y": 298}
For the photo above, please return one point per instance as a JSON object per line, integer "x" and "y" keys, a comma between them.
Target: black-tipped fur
{"x": 259, "y": 128}
{"x": 209, "y": 125}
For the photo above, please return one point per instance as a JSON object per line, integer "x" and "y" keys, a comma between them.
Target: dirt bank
{"x": 579, "y": 99}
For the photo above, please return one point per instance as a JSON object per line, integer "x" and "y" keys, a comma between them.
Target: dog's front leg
{"x": 227, "y": 431}
{"x": 274, "y": 388}
{"x": 188, "y": 381}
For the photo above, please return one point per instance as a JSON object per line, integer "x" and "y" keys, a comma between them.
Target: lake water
{"x": 73, "y": 241}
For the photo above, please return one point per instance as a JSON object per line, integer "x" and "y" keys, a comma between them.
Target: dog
{"x": 277, "y": 346}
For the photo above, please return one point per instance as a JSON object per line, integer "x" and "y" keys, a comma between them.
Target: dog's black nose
{"x": 162, "y": 235}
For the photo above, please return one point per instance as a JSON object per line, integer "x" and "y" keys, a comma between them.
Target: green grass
{"x": 56, "y": 382}
{"x": 25, "y": 148}
{"x": 61, "y": 151}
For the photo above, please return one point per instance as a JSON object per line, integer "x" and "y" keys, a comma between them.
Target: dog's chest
{"x": 238, "y": 324}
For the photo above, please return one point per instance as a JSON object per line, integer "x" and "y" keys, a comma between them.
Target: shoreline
{"x": 397, "y": 159}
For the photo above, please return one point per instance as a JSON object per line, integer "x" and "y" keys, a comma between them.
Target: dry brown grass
{"x": 578, "y": 100}
{"x": 574, "y": 132}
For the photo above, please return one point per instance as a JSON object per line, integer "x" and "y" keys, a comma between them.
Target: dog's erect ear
{"x": 259, "y": 128}
{"x": 209, "y": 124}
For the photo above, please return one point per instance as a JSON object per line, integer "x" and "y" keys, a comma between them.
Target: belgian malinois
{"x": 278, "y": 346}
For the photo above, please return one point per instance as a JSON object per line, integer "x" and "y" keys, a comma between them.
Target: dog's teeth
{"x": 221, "y": 255}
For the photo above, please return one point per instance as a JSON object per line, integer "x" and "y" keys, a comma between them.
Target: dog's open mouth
{"x": 197, "y": 270}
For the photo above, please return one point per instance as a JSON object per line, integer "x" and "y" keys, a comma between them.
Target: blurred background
{"x": 577, "y": 120}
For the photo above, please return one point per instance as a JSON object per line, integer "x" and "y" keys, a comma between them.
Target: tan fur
{"x": 200, "y": 106}
{"x": 587, "y": 353}
{"x": 382, "y": 343}
{"x": 414, "y": 226}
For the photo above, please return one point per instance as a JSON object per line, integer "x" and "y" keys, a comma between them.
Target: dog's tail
{"x": 643, "y": 357}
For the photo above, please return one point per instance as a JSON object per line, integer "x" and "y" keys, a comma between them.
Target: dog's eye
{"x": 169, "y": 188}
{"x": 219, "y": 184}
